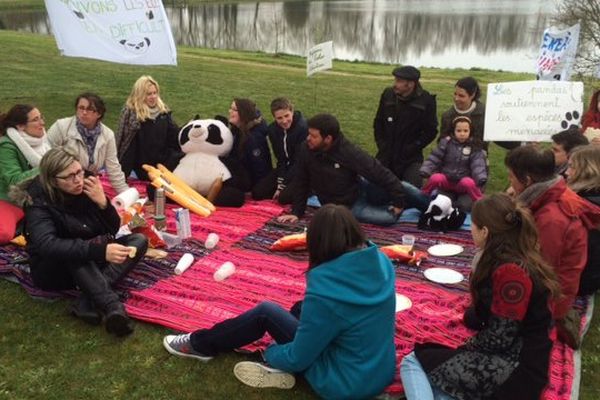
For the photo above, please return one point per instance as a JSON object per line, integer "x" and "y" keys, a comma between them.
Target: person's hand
{"x": 396, "y": 211}
{"x": 93, "y": 189}
{"x": 117, "y": 253}
{"x": 511, "y": 192}
{"x": 287, "y": 218}
{"x": 276, "y": 194}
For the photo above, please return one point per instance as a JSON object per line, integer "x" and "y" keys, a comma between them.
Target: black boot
{"x": 115, "y": 272}
{"x": 117, "y": 322}
{"x": 83, "y": 309}
{"x": 93, "y": 283}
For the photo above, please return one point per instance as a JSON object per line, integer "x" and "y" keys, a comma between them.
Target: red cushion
{"x": 10, "y": 215}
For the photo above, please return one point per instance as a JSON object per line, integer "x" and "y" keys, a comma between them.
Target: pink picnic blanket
{"x": 193, "y": 300}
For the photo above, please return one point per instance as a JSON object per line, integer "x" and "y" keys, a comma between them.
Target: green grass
{"x": 46, "y": 354}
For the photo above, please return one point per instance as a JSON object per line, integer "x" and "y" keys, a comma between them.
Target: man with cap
{"x": 406, "y": 122}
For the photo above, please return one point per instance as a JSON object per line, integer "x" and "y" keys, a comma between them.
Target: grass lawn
{"x": 46, "y": 354}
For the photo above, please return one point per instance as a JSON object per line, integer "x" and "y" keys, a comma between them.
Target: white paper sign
{"x": 123, "y": 31}
{"x": 319, "y": 58}
{"x": 531, "y": 110}
{"x": 557, "y": 53}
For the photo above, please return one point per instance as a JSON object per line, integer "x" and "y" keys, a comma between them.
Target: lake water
{"x": 503, "y": 34}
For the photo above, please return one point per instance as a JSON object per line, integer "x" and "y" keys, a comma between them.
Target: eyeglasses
{"x": 36, "y": 119}
{"x": 88, "y": 109}
{"x": 72, "y": 177}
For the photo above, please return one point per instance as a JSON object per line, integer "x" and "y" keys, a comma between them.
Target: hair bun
{"x": 513, "y": 218}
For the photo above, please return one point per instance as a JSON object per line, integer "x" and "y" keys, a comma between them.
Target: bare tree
{"x": 587, "y": 12}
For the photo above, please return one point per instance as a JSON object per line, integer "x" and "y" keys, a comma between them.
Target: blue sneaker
{"x": 180, "y": 345}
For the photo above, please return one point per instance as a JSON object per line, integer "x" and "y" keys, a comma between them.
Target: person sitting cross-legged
{"x": 343, "y": 341}
{"x": 331, "y": 166}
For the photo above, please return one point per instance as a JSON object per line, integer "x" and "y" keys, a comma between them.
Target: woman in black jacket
{"x": 70, "y": 227}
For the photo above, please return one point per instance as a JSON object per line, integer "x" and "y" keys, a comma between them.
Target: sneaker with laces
{"x": 180, "y": 345}
{"x": 260, "y": 376}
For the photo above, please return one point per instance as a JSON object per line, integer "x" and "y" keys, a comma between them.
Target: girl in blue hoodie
{"x": 343, "y": 340}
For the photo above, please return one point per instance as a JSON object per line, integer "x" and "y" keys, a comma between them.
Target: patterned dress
{"x": 509, "y": 355}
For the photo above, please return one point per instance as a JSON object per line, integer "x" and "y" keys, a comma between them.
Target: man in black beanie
{"x": 406, "y": 122}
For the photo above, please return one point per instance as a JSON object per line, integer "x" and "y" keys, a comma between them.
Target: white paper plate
{"x": 402, "y": 302}
{"x": 445, "y": 249}
{"x": 443, "y": 275}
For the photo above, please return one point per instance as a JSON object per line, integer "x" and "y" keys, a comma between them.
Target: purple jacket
{"x": 457, "y": 160}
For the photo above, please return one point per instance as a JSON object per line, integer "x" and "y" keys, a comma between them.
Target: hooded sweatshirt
{"x": 563, "y": 220}
{"x": 345, "y": 340}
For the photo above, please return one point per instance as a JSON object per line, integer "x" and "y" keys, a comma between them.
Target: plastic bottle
{"x": 160, "y": 221}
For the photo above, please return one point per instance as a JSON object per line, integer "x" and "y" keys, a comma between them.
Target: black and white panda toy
{"x": 203, "y": 141}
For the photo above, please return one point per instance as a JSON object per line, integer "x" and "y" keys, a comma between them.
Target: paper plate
{"x": 443, "y": 275}
{"x": 445, "y": 249}
{"x": 402, "y": 302}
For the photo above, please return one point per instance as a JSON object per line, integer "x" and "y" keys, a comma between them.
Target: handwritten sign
{"x": 123, "y": 31}
{"x": 319, "y": 58}
{"x": 557, "y": 53}
{"x": 531, "y": 110}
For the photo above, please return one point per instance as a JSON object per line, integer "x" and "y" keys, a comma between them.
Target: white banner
{"x": 531, "y": 110}
{"x": 319, "y": 58}
{"x": 557, "y": 53}
{"x": 122, "y": 31}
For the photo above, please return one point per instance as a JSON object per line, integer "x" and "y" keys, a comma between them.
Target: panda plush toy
{"x": 203, "y": 141}
{"x": 440, "y": 216}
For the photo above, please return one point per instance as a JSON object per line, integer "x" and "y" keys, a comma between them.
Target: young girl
{"x": 458, "y": 164}
{"x": 343, "y": 342}
{"x": 510, "y": 289}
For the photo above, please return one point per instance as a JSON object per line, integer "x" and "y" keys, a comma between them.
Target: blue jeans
{"x": 373, "y": 203}
{"x": 246, "y": 328}
{"x": 416, "y": 383}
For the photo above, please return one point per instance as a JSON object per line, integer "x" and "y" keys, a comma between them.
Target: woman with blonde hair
{"x": 511, "y": 287}
{"x": 583, "y": 177}
{"x": 147, "y": 133}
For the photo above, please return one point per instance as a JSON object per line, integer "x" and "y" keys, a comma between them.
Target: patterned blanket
{"x": 195, "y": 300}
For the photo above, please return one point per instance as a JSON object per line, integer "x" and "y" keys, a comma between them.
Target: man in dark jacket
{"x": 332, "y": 168}
{"x": 406, "y": 122}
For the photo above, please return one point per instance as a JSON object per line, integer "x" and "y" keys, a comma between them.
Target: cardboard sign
{"x": 531, "y": 110}
{"x": 319, "y": 58}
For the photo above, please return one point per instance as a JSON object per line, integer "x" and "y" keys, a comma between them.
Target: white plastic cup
{"x": 225, "y": 271}
{"x": 408, "y": 240}
{"x": 184, "y": 263}
{"x": 211, "y": 241}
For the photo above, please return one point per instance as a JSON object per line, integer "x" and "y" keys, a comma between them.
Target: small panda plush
{"x": 440, "y": 216}
{"x": 203, "y": 141}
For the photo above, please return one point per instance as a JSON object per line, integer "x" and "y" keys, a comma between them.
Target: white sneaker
{"x": 259, "y": 375}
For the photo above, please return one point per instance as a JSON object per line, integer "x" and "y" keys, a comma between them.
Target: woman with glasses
{"x": 86, "y": 136}
{"x": 70, "y": 227}
{"x": 22, "y": 146}
{"x": 147, "y": 133}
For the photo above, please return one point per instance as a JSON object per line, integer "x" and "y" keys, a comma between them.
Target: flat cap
{"x": 407, "y": 72}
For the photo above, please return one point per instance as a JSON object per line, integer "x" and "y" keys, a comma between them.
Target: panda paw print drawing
{"x": 571, "y": 120}
{"x": 136, "y": 45}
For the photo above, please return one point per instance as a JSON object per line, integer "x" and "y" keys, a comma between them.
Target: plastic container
{"x": 211, "y": 241}
{"x": 184, "y": 263}
{"x": 225, "y": 271}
